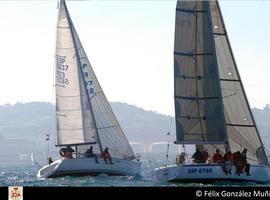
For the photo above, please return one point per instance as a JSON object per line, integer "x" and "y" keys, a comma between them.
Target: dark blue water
{"x": 26, "y": 176}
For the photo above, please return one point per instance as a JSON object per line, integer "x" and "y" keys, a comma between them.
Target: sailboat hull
{"x": 209, "y": 173}
{"x": 88, "y": 167}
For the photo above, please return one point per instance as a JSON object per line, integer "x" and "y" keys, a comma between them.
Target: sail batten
{"x": 199, "y": 142}
{"x": 191, "y": 11}
{"x": 236, "y": 80}
{"x": 192, "y": 54}
{"x": 195, "y": 98}
{"x": 243, "y": 125}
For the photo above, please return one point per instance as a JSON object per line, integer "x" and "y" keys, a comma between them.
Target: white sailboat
{"x": 211, "y": 107}
{"x": 84, "y": 116}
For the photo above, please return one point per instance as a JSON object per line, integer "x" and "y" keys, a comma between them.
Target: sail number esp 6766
{"x": 200, "y": 170}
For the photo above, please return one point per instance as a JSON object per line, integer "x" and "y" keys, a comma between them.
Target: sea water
{"x": 26, "y": 175}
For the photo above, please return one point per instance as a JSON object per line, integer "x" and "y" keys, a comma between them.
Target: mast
{"x": 80, "y": 71}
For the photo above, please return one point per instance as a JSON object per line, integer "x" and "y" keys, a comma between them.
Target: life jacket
{"x": 205, "y": 156}
{"x": 105, "y": 154}
{"x": 217, "y": 157}
{"x": 69, "y": 154}
{"x": 236, "y": 157}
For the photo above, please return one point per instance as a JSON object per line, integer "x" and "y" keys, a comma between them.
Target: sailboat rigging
{"x": 84, "y": 117}
{"x": 211, "y": 107}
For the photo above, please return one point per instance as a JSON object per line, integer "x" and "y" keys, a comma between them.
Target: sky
{"x": 130, "y": 47}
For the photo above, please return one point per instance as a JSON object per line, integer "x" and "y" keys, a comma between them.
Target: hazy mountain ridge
{"x": 32, "y": 121}
{"x": 23, "y": 126}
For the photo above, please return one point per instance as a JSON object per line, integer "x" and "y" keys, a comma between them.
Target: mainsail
{"x": 198, "y": 99}
{"x": 84, "y": 115}
{"x": 237, "y": 125}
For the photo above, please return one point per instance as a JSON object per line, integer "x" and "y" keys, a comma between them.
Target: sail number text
{"x": 61, "y": 69}
{"x": 200, "y": 171}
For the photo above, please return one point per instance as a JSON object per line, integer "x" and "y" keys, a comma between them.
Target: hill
{"x": 23, "y": 127}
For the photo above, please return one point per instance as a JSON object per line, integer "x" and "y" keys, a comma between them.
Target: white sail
{"x": 109, "y": 130}
{"x": 83, "y": 112}
{"x": 74, "y": 122}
